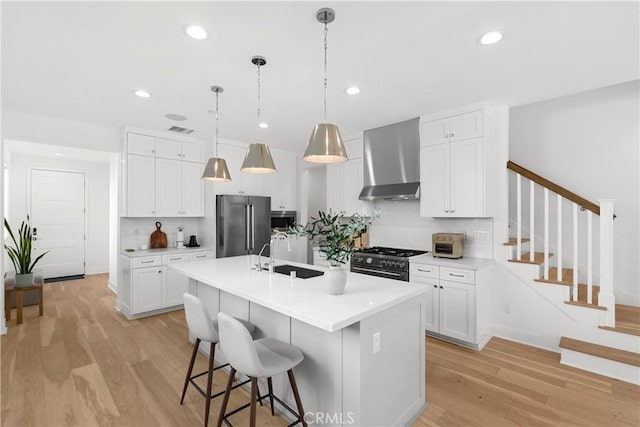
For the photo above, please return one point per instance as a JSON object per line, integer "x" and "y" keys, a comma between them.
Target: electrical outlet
{"x": 506, "y": 308}
{"x": 483, "y": 236}
{"x": 376, "y": 342}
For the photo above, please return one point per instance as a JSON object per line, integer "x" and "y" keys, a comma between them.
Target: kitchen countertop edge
{"x": 164, "y": 251}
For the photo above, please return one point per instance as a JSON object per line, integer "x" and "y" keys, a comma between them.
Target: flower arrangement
{"x": 335, "y": 234}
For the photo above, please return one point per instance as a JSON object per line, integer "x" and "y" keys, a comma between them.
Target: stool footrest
{"x": 299, "y": 417}
{"x": 220, "y": 393}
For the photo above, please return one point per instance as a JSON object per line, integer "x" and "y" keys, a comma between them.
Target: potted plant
{"x": 20, "y": 253}
{"x": 335, "y": 234}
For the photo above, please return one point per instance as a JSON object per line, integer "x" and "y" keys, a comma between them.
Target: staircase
{"x": 577, "y": 277}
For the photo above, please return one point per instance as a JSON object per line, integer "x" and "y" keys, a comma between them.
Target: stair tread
{"x": 584, "y": 304}
{"x": 538, "y": 258}
{"x": 514, "y": 240}
{"x": 616, "y": 354}
{"x": 627, "y": 320}
{"x": 567, "y": 277}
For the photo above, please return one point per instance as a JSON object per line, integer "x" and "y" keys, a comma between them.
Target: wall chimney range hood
{"x": 392, "y": 162}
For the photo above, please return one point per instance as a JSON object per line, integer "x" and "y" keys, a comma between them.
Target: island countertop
{"x": 303, "y": 299}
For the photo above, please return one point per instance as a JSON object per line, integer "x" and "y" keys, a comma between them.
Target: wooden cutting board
{"x": 158, "y": 238}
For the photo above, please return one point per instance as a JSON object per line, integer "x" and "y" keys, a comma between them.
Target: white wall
{"x": 54, "y": 131}
{"x": 589, "y": 143}
{"x": 400, "y": 225}
{"x": 97, "y": 181}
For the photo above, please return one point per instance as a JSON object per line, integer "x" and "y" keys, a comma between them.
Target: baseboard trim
{"x": 112, "y": 287}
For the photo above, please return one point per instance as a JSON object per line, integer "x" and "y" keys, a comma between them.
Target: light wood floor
{"x": 84, "y": 364}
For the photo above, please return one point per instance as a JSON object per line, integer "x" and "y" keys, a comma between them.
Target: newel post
{"x": 606, "y": 297}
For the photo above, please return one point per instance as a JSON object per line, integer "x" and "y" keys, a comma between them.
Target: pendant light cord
{"x": 326, "y": 31}
{"x": 258, "y": 119}
{"x": 217, "y": 128}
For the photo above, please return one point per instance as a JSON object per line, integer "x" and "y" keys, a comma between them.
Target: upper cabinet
{"x": 162, "y": 176}
{"x": 454, "y": 165}
{"x": 282, "y": 186}
{"x": 345, "y": 181}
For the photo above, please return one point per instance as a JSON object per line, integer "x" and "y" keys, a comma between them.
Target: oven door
{"x": 395, "y": 275}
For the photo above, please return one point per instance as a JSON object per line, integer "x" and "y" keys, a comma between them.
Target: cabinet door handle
{"x": 435, "y": 286}
{"x": 175, "y": 259}
{"x": 441, "y": 287}
{"x": 424, "y": 271}
{"x": 447, "y": 211}
{"x": 452, "y": 135}
{"x": 453, "y": 211}
{"x": 159, "y": 271}
{"x": 146, "y": 262}
{"x": 456, "y": 275}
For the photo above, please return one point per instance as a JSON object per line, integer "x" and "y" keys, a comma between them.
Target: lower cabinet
{"x": 458, "y": 302}
{"x": 150, "y": 285}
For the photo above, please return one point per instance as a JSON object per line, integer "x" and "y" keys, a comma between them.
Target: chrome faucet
{"x": 271, "y": 263}
{"x": 259, "y": 266}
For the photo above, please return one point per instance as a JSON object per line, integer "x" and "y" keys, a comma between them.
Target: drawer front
{"x": 424, "y": 270}
{"x": 200, "y": 256}
{"x": 171, "y": 259}
{"x": 151, "y": 261}
{"x": 458, "y": 275}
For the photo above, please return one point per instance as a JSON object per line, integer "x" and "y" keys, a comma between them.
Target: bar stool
{"x": 262, "y": 358}
{"x": 205, "y": 329}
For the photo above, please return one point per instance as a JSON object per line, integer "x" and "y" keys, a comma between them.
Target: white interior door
{"x": 57, "y": 211}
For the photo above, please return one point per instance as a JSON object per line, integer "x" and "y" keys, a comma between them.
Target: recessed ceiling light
{"x": 176, "y": 117}
{"x": 59, "y": 154}
{"x": 263, "y": 125}
{"x": 352, "y": 90}
{"x": 490, "y": 37}
{"x": 142, "y": 93}
{"x": 195, "y": 32}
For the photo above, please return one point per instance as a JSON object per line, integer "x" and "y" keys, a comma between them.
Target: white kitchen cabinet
{"x": 147, "y": 289}
{"x": 173, "y": 284}
{"x": 455, "y": 167}
{"x": 344, "y": 184}
{"x": 162, "y": 177}
{"x": 451, "y": 129}
{"x": 141, "y": 198}
{"x": 282, "y": 185}
{"x": 249, "y": 184}
{"x": 149, "y": 286}
{"x": 178, "y": 150}
{"x": 458, "y": 302}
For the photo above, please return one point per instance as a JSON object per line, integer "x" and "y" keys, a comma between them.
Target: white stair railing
{"x": 605, "y": 232}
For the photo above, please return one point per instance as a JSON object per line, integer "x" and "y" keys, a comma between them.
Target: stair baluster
{"x": 519, "y": 217}
{"x": 589, "y": 257}
{"x": 532, "y": 222}
{"x": 546, "y": 234}
{"x": 559, "y": 227}
{"x": 606, "y": 297}
{"x": 575, "y": 252}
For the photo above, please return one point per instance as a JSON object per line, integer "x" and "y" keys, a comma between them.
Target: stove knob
{"x": 369, "y": 260}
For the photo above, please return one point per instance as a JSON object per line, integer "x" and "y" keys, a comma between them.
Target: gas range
{"x": 391, "y": 263}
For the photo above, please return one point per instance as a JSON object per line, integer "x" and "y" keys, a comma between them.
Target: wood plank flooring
{"x": 83, "y": 364}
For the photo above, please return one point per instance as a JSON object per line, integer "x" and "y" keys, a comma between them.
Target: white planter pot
{"x": 336, "y": 280}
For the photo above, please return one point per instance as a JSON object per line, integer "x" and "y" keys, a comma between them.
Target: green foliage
{"x": 335, "y": 234}
{"x": 20, "y": 253}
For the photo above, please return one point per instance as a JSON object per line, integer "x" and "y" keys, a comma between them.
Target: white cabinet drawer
{"x": 151, "y": 261}
{"x": 424, "y": 270}
{"x": 458, "y": 275}
{"x": 200, "y": 256}
{"x": 171, "y": 259}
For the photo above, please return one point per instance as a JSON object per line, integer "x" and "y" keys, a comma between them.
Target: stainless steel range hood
{"x": 392, "y": 162}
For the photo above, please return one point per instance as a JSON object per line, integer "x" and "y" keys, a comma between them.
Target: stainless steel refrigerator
{"x": 243, "y": 225}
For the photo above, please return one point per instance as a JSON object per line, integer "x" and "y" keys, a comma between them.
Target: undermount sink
{"x": 301, "y": 272}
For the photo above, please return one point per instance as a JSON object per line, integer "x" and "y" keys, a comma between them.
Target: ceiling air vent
{"x": 181, "y": 130}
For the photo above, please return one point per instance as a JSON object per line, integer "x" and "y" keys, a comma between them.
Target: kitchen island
{"x": 364, "y": 350}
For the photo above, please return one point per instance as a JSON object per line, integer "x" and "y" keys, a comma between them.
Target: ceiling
{"x": 83, "y": 60}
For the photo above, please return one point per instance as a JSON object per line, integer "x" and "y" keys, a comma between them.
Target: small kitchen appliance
{"x": 379, "y": 261}
{"x": 180, "y": 238}
{"x": 447, "y": 245}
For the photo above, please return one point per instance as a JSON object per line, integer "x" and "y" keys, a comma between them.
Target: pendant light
{"x": 325, "y": 144}
{"x": 258, "y": 158}
{"x": 216, "y": 169}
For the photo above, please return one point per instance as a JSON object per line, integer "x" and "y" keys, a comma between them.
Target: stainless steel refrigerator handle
{"x": 247, "y": 214}
{"x": 253, "y": 227}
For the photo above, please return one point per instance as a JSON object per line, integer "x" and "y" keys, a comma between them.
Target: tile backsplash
{"x": 137, "y": 231}
{"x": 400, "y": 225}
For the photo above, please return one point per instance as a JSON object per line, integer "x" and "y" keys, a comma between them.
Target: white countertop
{"x": 302, "y": 299}
{"x": 164, "y": 251}
{"x": 464, "y": 262}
